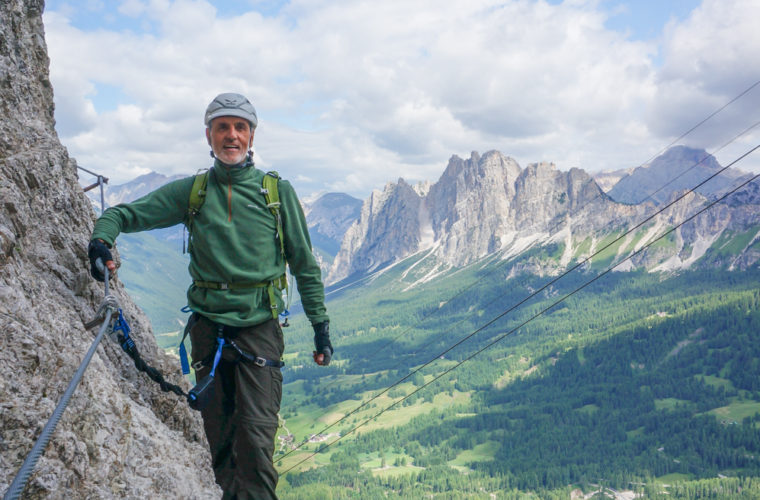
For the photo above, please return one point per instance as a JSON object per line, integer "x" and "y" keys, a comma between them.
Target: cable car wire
{"x": 544, "y": 310}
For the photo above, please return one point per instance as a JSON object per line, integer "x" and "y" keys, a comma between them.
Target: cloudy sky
{"x": 353, "y": 94}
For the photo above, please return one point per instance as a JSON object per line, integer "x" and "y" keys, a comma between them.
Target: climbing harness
{"x": 226, "y": 349}
{"x": 200, "y": 395}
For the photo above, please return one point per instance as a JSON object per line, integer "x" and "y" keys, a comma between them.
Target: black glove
{"x": 324, "y": 351}
{"x": 99, "y": 251}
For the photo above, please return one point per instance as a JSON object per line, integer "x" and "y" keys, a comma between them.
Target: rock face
{"x": 477, "y": 207}
{"x": 471, "y": 205}
{"x": 120, "y": 436}
{"x": 389, "y": 227}
{"x": 488, "y": 205}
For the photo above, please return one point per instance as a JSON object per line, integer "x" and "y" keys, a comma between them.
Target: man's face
{"x": 230, "y": 138}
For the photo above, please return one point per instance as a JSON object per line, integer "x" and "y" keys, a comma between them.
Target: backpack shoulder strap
{"x": 269, "y": 189}
{"x": 198, "y": 193}
{"x": 197, "y": 197}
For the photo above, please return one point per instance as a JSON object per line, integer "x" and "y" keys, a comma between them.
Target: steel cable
{"x": 539, "y": 313}
{"x": 19, "y": 482}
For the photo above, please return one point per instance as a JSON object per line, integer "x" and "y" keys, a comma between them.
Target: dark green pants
{"x": 241, "y": 419}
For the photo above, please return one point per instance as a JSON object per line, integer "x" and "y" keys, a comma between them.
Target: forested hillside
{"x": 641, "y": 382}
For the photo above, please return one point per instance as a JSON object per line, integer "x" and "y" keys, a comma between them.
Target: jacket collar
{"x": 233, "y": 174}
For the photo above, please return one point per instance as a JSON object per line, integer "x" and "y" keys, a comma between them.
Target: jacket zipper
{"x": 229, "y": 200}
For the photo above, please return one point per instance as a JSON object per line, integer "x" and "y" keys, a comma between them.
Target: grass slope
{"x": 629, "y": 380}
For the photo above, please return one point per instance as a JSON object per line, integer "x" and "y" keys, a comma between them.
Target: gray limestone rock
{"x": 489, "y": 206}
{"x": 120, "y": 437}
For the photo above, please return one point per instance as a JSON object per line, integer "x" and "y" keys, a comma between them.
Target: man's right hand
{"x": 100, "y": 256}
{"x": 324, "y": 349}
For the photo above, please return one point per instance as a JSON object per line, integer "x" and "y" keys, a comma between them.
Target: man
{"x": 237, "y": 262}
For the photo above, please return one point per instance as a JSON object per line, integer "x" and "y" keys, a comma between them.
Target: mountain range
{"x": 490, "y": 205}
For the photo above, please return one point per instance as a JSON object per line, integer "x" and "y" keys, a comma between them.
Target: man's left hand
{"x": 324, "y": 349}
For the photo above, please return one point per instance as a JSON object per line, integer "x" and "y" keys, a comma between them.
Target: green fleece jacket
{"x": 233, "y": 241}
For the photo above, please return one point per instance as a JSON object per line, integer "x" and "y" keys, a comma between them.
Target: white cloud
{"x": 353, "y": 94}
{"x": 709, "y": 59}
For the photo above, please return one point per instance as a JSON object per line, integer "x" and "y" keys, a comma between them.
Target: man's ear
{"x": 208, "y": 136}
{"x": 250, "y": 143}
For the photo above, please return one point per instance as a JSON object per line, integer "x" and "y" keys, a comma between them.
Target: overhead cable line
{"x": 550, "y": 283}
{"x": 536, "y": 292}
{"x": 542, "y": 311}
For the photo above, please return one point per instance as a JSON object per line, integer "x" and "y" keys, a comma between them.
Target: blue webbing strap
{"x": 183, "y": 361}
{"x": 218, "y": 355}
{"x": 183, "y": 358}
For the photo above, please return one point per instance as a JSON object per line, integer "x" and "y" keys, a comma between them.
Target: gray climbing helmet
{"x": 231, "y": 104}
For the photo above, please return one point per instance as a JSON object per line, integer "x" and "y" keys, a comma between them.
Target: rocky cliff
{"x": 489, "y": 205}
{"x": 478, "y": 206}
{"x": 120, "y": 436}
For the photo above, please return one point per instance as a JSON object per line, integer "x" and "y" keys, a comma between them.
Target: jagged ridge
{"x": 489, "y": 204}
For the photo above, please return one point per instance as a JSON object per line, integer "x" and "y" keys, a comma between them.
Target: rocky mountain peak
{"x": 462, "y": 216}
{"x": 488, "y": 204}
{"x": 365, "y": 246}
{"x": 120, "y": 437}
{"x": 678, "y": 168}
